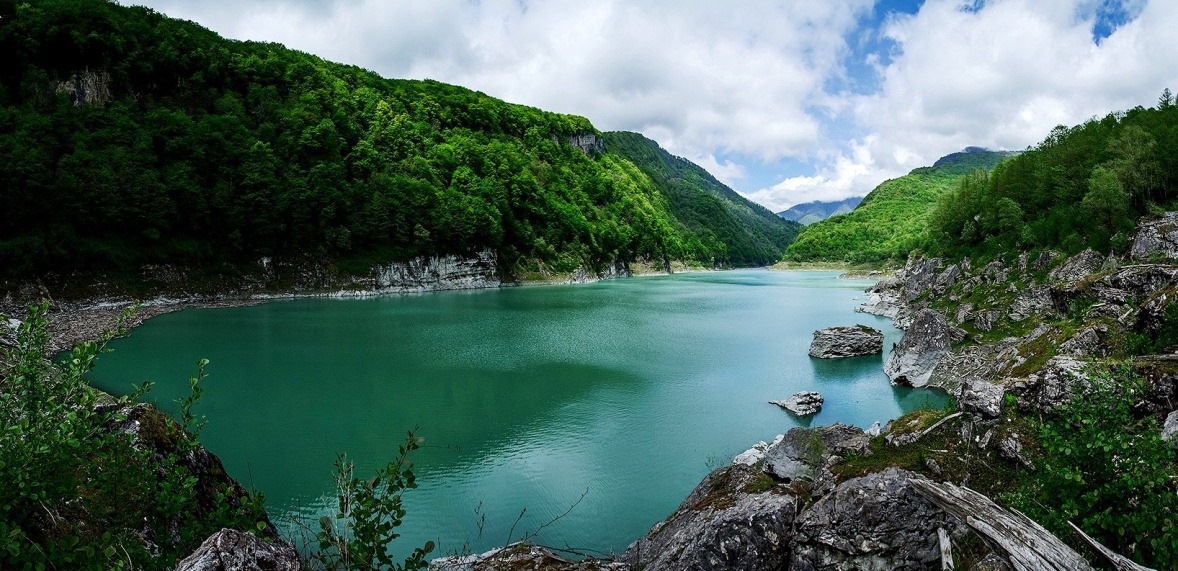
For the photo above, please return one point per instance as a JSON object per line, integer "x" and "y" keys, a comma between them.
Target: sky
{"x": 786, "y": 101}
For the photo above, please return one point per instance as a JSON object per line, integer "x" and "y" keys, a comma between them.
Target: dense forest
{"x": 892, "y": 220}
{"x": 1082, "y": 187}
{"x": 132, "y": 138}
{"x": 746, "y": 233}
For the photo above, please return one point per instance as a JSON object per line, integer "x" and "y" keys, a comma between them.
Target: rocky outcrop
{"x": 875, "y": 523}
{"x": 588, "y": 143}
{"x": 804, "y": 452}
{"x": 804, "y": 403}
{"x": 521, "y": 556}
{"x": 728, "y": 522}
{"x": 87, "y": 87}
{"x": 926, "y": 341}
{"x": 981, "y": 397}
{"x": 1053, "y": 386}
{"x": 755, "y": 454}
{"x": 1079, "y": 266}
{"x": 839, "y": 342}
{"x": 1031, "y": 301}
{"x": 1170, "y": 428}
{"x": 231, "y": 550}
{"x": 1156, "y": 239}
{"x": 438, "y": 273}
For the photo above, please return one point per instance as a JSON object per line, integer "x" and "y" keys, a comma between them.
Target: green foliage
{"x": 720, "y": 224}
{"x": 370, "y": 512}
{"x": 1082, "y": 187}
{"x": 1107, "y": 471}
{"x": 892, "y": 220}
{"x": 81, "y": 494}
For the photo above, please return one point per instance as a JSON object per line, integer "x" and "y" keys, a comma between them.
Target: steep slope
{"x": 132, "y": 139}
{"x": 892, "y": 220}
{"x": 749, "y": 233}
{"x": 811, "y": 212}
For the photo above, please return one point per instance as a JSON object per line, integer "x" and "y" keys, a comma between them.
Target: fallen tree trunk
{"x": 1119, "y": 562}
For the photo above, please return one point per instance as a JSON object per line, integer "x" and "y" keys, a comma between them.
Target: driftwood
{"x": 946, "y": 549}
{"x": 1026, "y": 543}
{"x": 1119, "y": 562}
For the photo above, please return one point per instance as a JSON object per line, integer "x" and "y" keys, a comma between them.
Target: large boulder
{"x": 875, "y": 523}
{"x": 1031, "y": 301}
{"x": 804, "y": 403}
{"x": 926, "y": 341}
{"x": 804, "y": 451}
{"x": 1054, "y": 385}
{"x": 981, "y": 397}
{"x": 1156, "y": 239}
{"x": 839, "y": 342}
{"x": 1078, "y": 267}
{"x": 730, "y": 521}
{"x": 232, "y": 550}
{"x": 1170, "y": 428}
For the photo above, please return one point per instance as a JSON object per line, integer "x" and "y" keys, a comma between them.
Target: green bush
{"x": 1108, "y": 472}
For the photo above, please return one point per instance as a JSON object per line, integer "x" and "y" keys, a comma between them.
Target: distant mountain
{"x": 811, "y": 212}
{"x": 892, "y": 220}
{"x": 748, "y": 233}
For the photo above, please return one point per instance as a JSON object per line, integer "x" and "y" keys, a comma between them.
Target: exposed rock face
{"x": 803, "y": 450}
{"x": 520, "y": 556}
{"x": 231, "y": 550}
{"x": 1156, "y": 239}
{"x": 438, "y": 273}
{"x": 87, "y": 87}
{"x": 839, "y": 342}
{"x": 721, "y": 526}
{"x": 1078, "y": 266}
{"x": 1170, "y": 427}
{"x": 589, "y": 143}
{"x": 1031, "y": 301}
{"x": 804, "y": 403}
{"x": 756, "y": 453}
{"x": 981, "y": 397}
{"x": 946, "y": 279}
{"x": 874, "y": 523}
{"x": 1053, "y": 386}
{"x": 912, "y": 360}
{"x": 1084, "y": 344}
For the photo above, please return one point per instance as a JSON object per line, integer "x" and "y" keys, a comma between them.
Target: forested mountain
{"x": 725, "y": 221}
{"x": 811, "y": 212}
{"x": 1082, "y": 187}
{"x": 892, "y": 220}
{"x": 130, "y": 138}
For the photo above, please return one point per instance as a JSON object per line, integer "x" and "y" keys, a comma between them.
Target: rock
{"x": 874, "y": 430}
{"x": 946, "y": 279}
{"x": 1031, "y": 301}
{"x": 1170, "y": 428}
{"x": 232, "y": 550}
{"x": 963, "y": 312}
{"x": 985, "y": 362}
{"x": 919, "y": 277}
{"x": 985, "y": 320}
{"x": 1078, "y": 267}
{"x": 927, "y": 340}
{"x": 838, "y": 342}
{"x": 1011, "y": 449}
{"x": 994, "y": 272}
{"x": 804, "y": 403}
{"x": 756, "y": 453}
{"x": 1084, "y": 344}
{"x": 1023, "y": 260}
{"x": 981, "y": 397}
{"x": 1156, "y": 239}
{"x": 877, "y": 522}
{"x": 723, "y": 524}
{"x": 1047, "y": 259}
{"x": 803, "y": 450}
{"x": 520, "y": 556}
{"x": 438, "y": 273}
{"x": 1053, "y": 386}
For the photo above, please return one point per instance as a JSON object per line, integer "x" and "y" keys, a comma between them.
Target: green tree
{"x": 1107, "y": 201}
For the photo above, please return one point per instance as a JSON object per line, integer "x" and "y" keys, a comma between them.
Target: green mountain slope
{"x": 746, "y": 233}
{"x": 893, "y": 219}
{"x": 129, "y": 138}
{"x": 810, "y": 212}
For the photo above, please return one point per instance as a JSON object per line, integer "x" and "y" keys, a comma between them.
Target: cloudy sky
{"x": 787, "y": 101}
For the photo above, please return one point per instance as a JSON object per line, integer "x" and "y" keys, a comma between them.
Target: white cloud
{"x": 1000, "y": 77}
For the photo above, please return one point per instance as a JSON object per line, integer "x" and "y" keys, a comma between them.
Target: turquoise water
{"x": 613, "y": 399}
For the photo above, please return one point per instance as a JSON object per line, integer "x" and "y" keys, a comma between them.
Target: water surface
{"x": 613, "y": 398}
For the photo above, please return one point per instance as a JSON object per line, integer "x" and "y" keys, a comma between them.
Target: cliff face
{"x": 438, "y": 273}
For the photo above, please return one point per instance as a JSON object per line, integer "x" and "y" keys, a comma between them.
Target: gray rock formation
{"x": 1053, "y": 386}
{"x": 588, "y": 143}
{"x": 804, "y": 403}
{"x": 803, "y": 451}
{"x": 839, "y": 342}
{"x": 1031, "y": 301}
{"x": 1046, "y": 260}
{"x": 438, "y": 273}
{"x": 946, "y": 279}
{"x": 875, "y": 523}
{"x": 912, "y": 360}
{"x": 1156, "y": 239}
{"x": 755, "y": 454}
{"x": 231, "y": 550}
{"x": 1079, "y": 266}
{"x": 520, "y": 556}
{"x": 981, "y": 397}
{"x": 1085, "y": 344}
{"x": 723, "y": 524}
{"x": 1170, "y": 428}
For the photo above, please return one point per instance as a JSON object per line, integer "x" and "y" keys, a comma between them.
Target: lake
{"x": 605, "y": 402}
